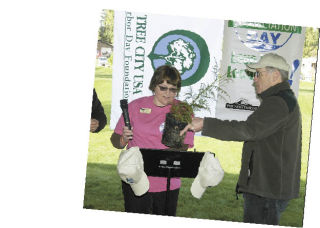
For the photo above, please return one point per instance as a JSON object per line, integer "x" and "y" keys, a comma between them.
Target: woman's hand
{"x": 126, "y": 136}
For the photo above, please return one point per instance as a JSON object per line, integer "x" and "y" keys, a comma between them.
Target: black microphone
{"x": 125, "y": 113}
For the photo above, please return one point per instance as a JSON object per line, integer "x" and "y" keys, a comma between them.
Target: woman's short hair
{"x": 165, "y": 73}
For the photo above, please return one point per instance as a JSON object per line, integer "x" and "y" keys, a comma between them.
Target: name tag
{"x": 145, "y": 110}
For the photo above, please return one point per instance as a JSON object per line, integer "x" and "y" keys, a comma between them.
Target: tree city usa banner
{"x": 144, "y": 42}
{"x": 202, "y": 50}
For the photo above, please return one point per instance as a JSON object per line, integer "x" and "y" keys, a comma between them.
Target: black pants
{"x": 262, "y": 210}
{"x": 151, "y": 202}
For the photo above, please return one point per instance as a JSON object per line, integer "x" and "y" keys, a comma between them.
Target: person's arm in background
{"x": 98, "y": 117}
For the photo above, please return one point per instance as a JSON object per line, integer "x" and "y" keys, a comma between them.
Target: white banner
{"x": 245, "y": 42}
{"x": 194, "y": 46}
{"x": 143, "y": 42}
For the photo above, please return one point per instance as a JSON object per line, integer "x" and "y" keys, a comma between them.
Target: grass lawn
{"x": 103, "y": 188}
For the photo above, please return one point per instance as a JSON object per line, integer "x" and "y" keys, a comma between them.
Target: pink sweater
{"x": 147, "y": 121}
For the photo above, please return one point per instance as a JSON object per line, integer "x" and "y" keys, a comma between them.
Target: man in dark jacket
{"x": 271, "y": 154}
{"x": 98, "y": 117}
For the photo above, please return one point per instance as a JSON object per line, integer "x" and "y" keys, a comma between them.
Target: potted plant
{"x": 176, "y": 120}
{"x": 181, "y": 112}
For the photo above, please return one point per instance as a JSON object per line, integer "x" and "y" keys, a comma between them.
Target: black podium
{"x": 171, "y": 163}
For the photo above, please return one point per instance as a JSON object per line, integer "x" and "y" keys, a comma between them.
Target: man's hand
{"x": 94, "y": 125}
{"x": 195, "y": 125}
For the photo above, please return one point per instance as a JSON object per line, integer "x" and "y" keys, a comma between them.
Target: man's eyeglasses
{"x": 164, "y": 89}
{"x": 258, "y": 73}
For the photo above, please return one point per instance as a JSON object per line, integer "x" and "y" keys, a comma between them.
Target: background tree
{"x": 311, "y": 42}
{"x": 106, "y": 26}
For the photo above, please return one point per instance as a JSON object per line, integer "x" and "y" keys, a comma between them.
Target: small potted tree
{"x": 181, "y": 112}
{"x": 176, "y": 120}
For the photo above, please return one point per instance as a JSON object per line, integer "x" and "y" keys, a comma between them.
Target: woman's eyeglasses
{"x": 165, "y": 89}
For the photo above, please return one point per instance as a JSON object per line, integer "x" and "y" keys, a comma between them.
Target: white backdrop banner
{"x": 245, "y": 42}
{"x": 201, "y": 49}
{"x": 143, "y": 42}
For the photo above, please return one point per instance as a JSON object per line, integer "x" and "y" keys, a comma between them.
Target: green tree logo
{"x": 186, "y": 51}
{"x": 181, "y": 55}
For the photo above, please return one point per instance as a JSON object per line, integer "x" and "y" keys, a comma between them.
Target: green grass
{"x": 103, "y": 72}
{"x": 103, "y": 188}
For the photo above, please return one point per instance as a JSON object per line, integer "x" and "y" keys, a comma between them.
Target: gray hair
{"x": 284, "y": 74}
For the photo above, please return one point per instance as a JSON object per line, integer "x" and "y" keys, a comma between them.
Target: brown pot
{"x": 171, "y": 133}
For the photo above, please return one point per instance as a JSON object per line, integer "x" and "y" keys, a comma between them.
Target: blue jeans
{"x": 262, "y": 210}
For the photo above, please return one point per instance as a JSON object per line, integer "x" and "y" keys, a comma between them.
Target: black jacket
{"x": 97, "y": 112}
{"x": 271, "y": 154}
